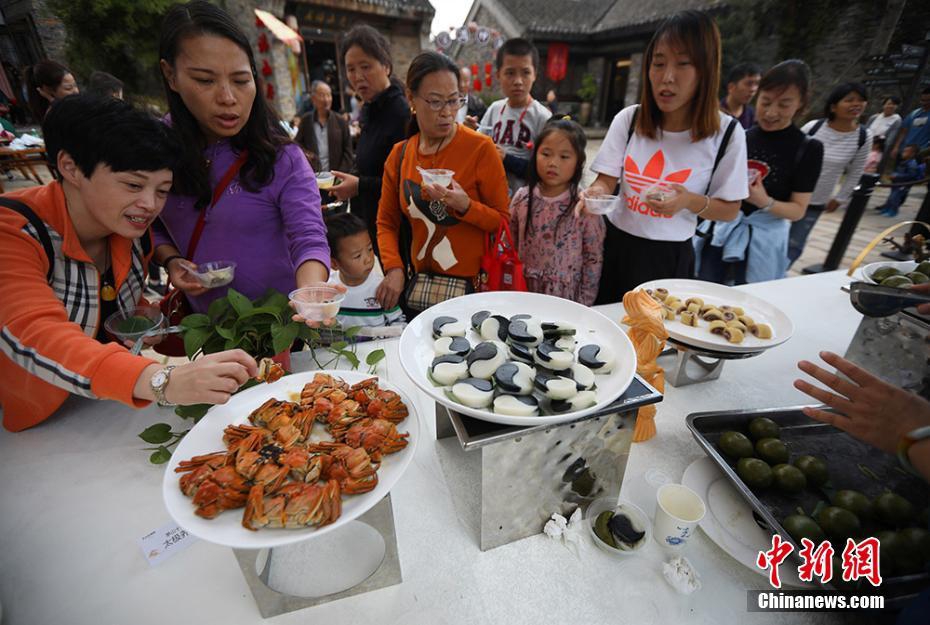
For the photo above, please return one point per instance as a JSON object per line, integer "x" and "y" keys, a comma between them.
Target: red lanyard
{"x": 500, "y": 119}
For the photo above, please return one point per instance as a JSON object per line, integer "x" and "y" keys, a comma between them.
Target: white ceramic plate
{"x": 904, "y": 266}
{"x": 207, "y": 437}
{"x": 729, "y": 521}
{"x": 416, "y": 347}
{"x": 760, "y": 310}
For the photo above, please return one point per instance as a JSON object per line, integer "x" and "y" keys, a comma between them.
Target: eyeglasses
{"x": 453, "y": 103}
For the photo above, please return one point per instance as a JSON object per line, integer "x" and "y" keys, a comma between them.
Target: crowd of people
{"x": 707, "y": 187}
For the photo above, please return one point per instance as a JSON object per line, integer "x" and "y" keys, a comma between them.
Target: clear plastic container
{"x": 132, "y": 324}
{"x": 658, "y": 192}
{"x": 442, "y": 177}
{"x": 325, "y": 179}
{"x": 215, "y": 274}
{"x": 634, "y": 512}
{"x": 317, "y": 303}
{"x": 601, "y": 204}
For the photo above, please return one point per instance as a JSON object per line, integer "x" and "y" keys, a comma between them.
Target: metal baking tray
{"x": 804, "y": 435}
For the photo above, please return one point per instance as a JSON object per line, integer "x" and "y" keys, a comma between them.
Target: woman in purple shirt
{"x": 268, "y": 219}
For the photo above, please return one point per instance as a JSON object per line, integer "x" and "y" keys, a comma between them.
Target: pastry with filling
{"x": 555, "y": 386}
{"x": 448, "y": 369}
{"x": 484, "y": 360}
{"x": 516, "y": 405}
{"x": 515, "y": 378}
{"x": 451, "y": 345}
{"x": 447, "y": 326}
{"x": 689, "y": 318}
{"x": 597, "y": 358}
{"x": 761, "y": 331}
{"x": 473, "y": 392}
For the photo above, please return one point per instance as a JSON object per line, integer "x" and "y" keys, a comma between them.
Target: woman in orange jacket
{"x": 74, "y": 251}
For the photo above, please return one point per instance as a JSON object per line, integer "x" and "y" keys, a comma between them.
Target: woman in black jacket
{"x": 384, "y": 119}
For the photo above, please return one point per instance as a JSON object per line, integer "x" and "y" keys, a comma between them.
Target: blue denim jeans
{"x": 800, "y": 230}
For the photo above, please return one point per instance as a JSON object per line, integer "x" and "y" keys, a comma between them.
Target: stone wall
{"x": 51, "y": 31}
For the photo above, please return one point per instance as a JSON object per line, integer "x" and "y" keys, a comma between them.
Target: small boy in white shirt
{"x": 353, "y": 262}
{"x": 515, "y": 121}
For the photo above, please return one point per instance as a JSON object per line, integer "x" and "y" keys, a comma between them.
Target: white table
{"x": 77, "y": 493}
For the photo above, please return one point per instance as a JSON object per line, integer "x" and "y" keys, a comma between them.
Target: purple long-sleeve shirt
{"x": 269, "y": 234}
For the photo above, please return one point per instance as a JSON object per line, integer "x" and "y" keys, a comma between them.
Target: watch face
{"x": 159, "y": 379}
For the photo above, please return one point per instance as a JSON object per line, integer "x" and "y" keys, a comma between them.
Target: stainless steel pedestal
{"x": 257, "y": 567}
{"x": 693, "y": 364}
{"x": 514, "y": 478}
{"x": 896, "y": 349}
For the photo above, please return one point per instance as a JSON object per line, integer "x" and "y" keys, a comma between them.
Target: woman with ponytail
{"x": 47, "y": 81}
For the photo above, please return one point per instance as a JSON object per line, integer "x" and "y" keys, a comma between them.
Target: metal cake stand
{"x": 696, "y": 364}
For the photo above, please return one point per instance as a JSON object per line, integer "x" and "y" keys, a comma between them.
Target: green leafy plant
{"x": 588, "y": 90}
{"x": 262, "y": 328}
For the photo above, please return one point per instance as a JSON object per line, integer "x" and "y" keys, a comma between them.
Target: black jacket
{"x": 384, "y": 123}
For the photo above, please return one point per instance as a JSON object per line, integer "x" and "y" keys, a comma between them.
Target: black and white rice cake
{"x": 520, "y": 365}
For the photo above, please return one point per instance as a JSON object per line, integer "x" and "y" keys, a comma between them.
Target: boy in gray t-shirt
{"x": 514, "y": 122}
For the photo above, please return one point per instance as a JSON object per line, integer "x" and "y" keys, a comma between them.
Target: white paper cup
{"x": 678, "y": 512}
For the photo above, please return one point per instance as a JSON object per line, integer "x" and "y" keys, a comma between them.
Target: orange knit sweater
{"x": 480, "y": 172}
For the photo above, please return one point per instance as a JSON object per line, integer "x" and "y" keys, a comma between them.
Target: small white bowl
{"x": 215, "y": 274}
{"x": 601, "y": 204}
{"x": 317, "y": 303}
{"x": 442, "y": 177}
{"x": 633, "y": 511}
{"x": 325, "y": 179}
{"x": 904, "y": 266}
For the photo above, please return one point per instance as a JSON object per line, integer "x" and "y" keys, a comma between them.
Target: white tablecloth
{"x": 78, "y": 492}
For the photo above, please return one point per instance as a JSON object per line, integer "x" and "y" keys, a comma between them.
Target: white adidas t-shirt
{"x": 672, "y": 157}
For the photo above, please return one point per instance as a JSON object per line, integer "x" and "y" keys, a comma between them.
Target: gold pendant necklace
{"x": 107, "y": 291}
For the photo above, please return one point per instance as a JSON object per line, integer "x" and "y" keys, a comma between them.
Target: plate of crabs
{"x": 719, "y": 318}
{"x": 287, "y": 461}
{"x": 523, "y": 359}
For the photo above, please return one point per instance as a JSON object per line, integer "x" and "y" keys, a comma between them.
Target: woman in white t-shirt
{"x": 681, "y": 143}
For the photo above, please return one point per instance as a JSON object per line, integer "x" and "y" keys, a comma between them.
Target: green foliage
{"x": 115, "y": 36}
{"x": 588, "y": 90}
{"x": 261, "y": 328}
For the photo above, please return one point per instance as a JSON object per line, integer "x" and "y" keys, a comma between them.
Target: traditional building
{"x": 601, "y": 38}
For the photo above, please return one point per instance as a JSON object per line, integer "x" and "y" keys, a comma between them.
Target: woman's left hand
{"x": 326, "y": 322}
{"x": 673, "y": 205}
{"x": 455, "y": 198}
{"x": 832, "y": 205}
{"x": 758, "y": 196}
{"x": 868, "y": 408}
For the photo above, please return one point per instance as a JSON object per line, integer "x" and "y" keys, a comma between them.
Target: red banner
{"x": 557, "y": 61}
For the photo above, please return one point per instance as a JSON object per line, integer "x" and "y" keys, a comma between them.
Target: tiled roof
{"x": 626, "y": 13}
{"x": 419, "y": 6}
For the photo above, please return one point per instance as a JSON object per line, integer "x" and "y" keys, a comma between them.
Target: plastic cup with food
{"x": 214, "y": 274}
{"x": 618, "y": 528}
{"x": 442, "y": 177}
{"x": 658, "y": 192}
{"x": 317, "y": 303}
{"x": 131, "y": 324}
{"x": 325, "y": 179}
{"x": 600, "y": 204}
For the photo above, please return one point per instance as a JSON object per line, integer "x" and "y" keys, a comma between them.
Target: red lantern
{"x": 474, "y": 69}
{"x": 269, "y": 91}
{"x": 477, "y": 85}
{"x": 258, "y": 22}
{"x": 266, "y": 68}
{"x": 263, "y": 43}
{"x": 487, "y": 69}
{"x": 557, "y": 61}
{"x": 487, "y": 80}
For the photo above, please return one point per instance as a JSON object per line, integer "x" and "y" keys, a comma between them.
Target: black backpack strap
{"x": 815, "y": 127}
{"x": 802, "y": 149}
{"x": 629, "y": 134}
{"x": 861, "y": 136}
{"x": 40, "y": 227}
{"x": 721, "y": 151}
{"x": 405, "y": 236}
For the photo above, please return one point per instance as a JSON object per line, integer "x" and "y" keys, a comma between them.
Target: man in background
{"x": 742, "y": 85}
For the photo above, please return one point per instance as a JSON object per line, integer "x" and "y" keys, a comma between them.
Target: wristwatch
{"x": 159, "y": 383}
{"x": 904, "y": 445}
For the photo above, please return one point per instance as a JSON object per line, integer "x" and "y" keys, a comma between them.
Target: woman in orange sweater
{"x": 73, "y": 252}
{"x": 449, "y": 223}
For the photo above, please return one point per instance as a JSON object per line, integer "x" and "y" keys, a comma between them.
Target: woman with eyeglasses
{"x": 383, "y": 120}
{"x": 449, "y": 222}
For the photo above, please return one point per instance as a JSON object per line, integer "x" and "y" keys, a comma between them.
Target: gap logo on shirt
{"x": 523, "y": 139}
{"x": 640, "y": 180}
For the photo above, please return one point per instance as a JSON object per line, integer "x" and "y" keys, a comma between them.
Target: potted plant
{"x": 586, "y": 94}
